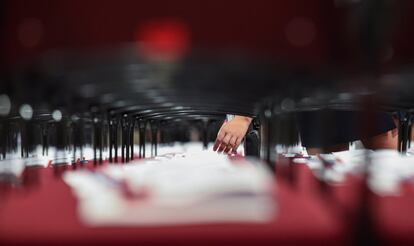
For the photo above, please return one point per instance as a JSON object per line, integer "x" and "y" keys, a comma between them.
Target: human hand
{"x": 231, "y": 134}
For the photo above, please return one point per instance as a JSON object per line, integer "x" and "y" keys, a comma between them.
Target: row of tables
{"x": 111, "y": 112}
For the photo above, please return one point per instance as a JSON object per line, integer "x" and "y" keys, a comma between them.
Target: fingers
{"x": 219, "y": 139}
{"x": 231, "y": 145}
{"x": 233, "y": 141}
{"x": 227, "y": 150}
{"x": 216, "y": 145}
{"x": 238, "y": 142}
{"x": 226, "y": 139}
{"x": 219, "y": 145}
{"x": 221, "y": 148}
{"x": 224, "y": 144}
{"x": 220, "y": 135}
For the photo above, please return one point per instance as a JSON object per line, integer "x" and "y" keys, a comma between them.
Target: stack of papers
{"x": 387, "y": 169}
{"x": 11, "y": 169}
{"x": 176, "y": 188}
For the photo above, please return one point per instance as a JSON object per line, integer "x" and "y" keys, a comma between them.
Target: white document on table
{"x": 179, "y": 188}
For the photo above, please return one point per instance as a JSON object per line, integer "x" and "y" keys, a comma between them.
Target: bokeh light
{"x": 167, "y": 39}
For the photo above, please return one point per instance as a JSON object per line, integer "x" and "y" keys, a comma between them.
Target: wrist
{"x": 246, "y": 119}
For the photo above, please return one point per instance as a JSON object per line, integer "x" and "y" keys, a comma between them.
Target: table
{"x": 43, "y": 211}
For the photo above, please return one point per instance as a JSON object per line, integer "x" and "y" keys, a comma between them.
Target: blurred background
{"x": 87, "y": 83}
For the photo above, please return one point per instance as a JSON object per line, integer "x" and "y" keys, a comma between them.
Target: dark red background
{"x": 253, "y": 26}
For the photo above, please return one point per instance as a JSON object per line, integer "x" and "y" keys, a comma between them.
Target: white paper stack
{"x": 179, "y": 188}
{"x": 387, "y": 168}
{"x": 11, "y": 169}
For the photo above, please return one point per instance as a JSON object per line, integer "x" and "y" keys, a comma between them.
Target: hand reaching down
{"x": 231, "y": 134}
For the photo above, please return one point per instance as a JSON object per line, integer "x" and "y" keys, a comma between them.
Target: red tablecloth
{"x": 391, "y": 217}
{"x": 43, "y": 211}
